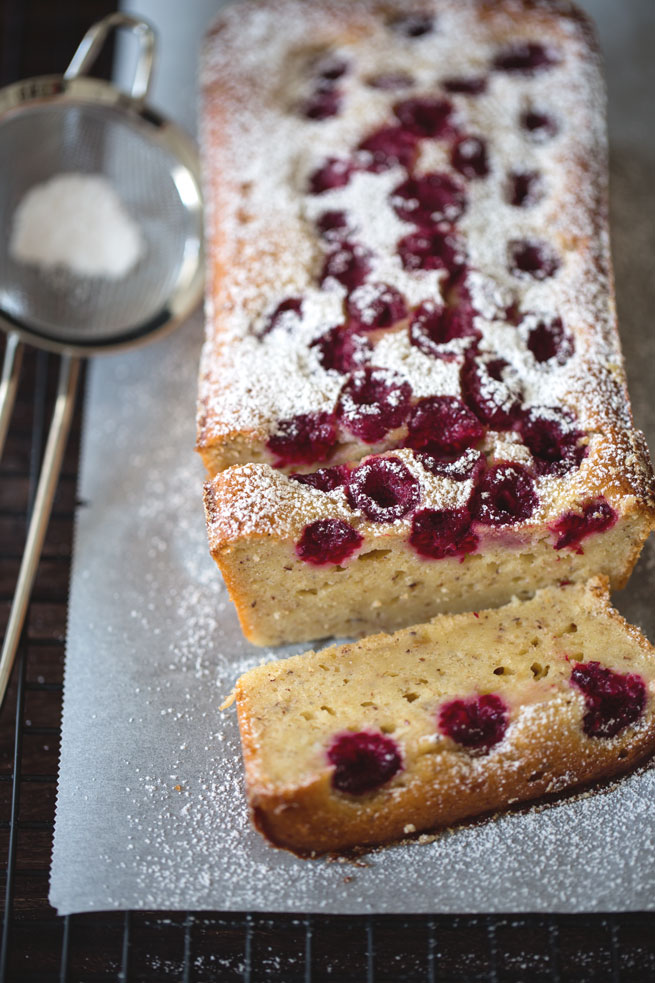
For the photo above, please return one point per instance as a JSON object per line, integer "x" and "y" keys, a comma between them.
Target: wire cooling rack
{"x": 37, "y": 946}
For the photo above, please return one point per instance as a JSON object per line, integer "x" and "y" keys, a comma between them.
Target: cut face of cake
{"x": 412, "y": 396}
{"x": 364, "y": 743}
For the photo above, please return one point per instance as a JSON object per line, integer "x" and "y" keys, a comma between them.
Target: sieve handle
{"x": 9, "y": 382}
{"x": 54, "y": 452}
{"x": 91, "y": 44}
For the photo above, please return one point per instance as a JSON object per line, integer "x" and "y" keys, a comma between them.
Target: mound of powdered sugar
{"x": 76, "y": 222}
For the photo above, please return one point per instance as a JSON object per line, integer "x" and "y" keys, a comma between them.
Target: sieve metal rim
{"x": 93, "y": 93}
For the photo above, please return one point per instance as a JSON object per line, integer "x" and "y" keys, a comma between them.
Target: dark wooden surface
{"x": 38, "y": 37}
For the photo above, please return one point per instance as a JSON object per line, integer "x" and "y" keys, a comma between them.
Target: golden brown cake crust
{"x": 544, "y": 750}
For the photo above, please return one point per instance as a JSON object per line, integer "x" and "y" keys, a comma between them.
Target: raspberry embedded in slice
{"x": 373, "y": 402}
{"x": 548, "y": 340}
{"x": 425, "y": 117}
{"x": 286, "y": 315}
{"x": 432, "y": 327}
{"x": 327, "y": 541}
{"x": 473, "y": 85}
{"x": 429, "y": 199}
{"x": 431, "y": 249}
{"x": 469, "y": 157}
{"x": 614, "y": 700}
{"x": 388, "y": 147}
{"x": 324, "y": 102}
{"x": 334, "y": 173}
{"x": 303, "y": 439}
{"x": 486, "y": 393}
{"x": 504, "y": 494}
{"x": 413, "y": 24}
{"x": 478, "y": 723}
{"x": 552, "y": 440}
{"x": 348, "y": 263}
{"x": 388, "y": 81}
{"x": 384, "y": 489}
{"x": 533, "y": 258}
{"x": 363, "y": 761}
{"x": 441, "y": 533}
{"x": 374, "y": 306}
{"x": 540, "y": 125}
{"x": 341, "y": 350}
{"x": 524, "y": 188}
{"x": 443, "y": 426}
{"x": 325, "y": 479}
{"x": 572, "y": 527}
{"x": 469, "y": 466}
{"x": 525, "y": 58}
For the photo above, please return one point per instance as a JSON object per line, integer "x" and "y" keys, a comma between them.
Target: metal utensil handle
{"x": 9, "y": 382}
{"x": 92, "y": 42}
{"x": 54, "y": 452}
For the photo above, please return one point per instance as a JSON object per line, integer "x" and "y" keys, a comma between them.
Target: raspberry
{"x": 470, "y": 465}
{"x": 552, "y": 440}
{"x": 428, "y": 200}
{"x": 540, "y": 125}
{"x": 303, "y": 439}
{"x": 524, "y": 188}
{"x": 433, "y": 327}
{"x": 341, "y": 350}
{"x": 548, "y": 340}
{"x": 325, "y": 479}
{"x": 363, "y": 761}
{"x": 443, "y": 425}
{"x": 286, "y": 315}
{"x": 373, "y": 402}
{"x": 440, "y": 533}
{"x": 375, "y": 305}
{"x": 383, "y": 489}
{"x": 469, "y": 157}
{"x": 613, "y": 699}
{"x": 504, "y": 494}
{"x": 473, "y": 85}
{"x": 348, "y": 263}
{"x": 388, "y": 147}
{"x": 478, "y": 723}
{"x": 431, "y": 249}
{"x": 333, "y": 225}
{"x": 531, "y": 258}
{"x": 334, "y": 173}
{"x": 323, "y": 103}
{"x": 425, "y": 117}
{"x": 571, "y": 528}
{"x": 327, "y": 541}
{"x": 525, "y": 58}
{"x": 486, "y": 393}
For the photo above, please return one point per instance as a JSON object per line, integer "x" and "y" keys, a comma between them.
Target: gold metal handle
{"x": 52, "y": 459}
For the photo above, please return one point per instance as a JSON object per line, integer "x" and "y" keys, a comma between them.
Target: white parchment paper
{"x": 150, "y": 810}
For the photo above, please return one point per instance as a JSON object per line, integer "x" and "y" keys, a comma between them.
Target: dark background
{"x": 38, "y": 37}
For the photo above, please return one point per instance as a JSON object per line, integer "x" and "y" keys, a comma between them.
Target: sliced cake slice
{"x": 364, "y": 743}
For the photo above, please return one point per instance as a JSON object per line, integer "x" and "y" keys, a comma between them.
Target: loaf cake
{"x": 412, "y": 395}
{"x": 368, "y": 742}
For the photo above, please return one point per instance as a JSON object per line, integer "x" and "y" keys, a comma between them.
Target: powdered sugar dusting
{"x": 263, "y": 213}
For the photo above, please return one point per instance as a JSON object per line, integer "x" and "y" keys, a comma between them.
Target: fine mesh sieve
{"x": 95, "y": 311}
{"x": 77, "y": 124}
